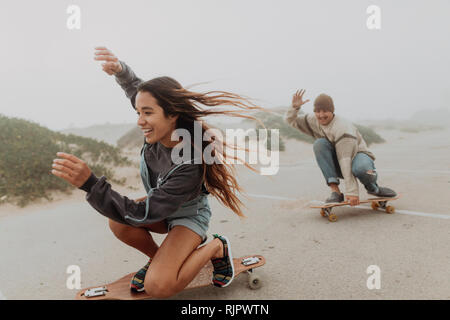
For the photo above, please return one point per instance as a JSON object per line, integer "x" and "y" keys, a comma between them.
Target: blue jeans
{"x": 363, "y": 167}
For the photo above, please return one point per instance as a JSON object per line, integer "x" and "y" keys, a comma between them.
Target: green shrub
{"x": 133, "y": 138}
{"x": 369, "y": 135}
{"x": 276, "y": 121}
{"x": 27, "y": 151}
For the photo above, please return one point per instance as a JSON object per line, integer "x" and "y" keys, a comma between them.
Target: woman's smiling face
{"x": 152, "y": 120}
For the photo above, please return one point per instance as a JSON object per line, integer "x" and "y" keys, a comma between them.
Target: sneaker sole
{"x": 382, "y": 196}
{"x": 137, "y": 290}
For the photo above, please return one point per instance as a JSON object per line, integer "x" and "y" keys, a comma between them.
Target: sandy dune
{"x": 307, "y": 256}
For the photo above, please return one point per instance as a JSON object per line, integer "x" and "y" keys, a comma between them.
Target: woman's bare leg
{"x": 178, "y": 261}
{"x": 138, "y": 238}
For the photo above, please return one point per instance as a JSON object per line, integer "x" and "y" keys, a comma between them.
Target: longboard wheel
{"x": 375, "y": 205}
{"x": 254, "y": 281}
{"x": 390, "y": 209}
{"x": 332, "y": 217}
{"x": 323, "y": 213}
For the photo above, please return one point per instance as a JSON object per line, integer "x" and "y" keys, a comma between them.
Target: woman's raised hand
{"x": 297, "y": 99}
{"x": 111, "y": 65}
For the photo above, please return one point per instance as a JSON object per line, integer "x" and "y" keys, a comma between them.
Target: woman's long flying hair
{"x": 219, "y": 178}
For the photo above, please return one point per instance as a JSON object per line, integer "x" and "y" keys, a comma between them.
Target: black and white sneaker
{"x": 383, "y": 192}
{"x": 335, "y": 197}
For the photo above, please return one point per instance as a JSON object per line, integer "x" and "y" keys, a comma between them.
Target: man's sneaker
{"x": 335, "y": 197}
{"x": 383, "y": 192}
{"x": 223, "y": 272}
{"x": 137, "y": 282}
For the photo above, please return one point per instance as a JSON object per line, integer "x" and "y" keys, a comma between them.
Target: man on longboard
{"x": 340, "y": 150}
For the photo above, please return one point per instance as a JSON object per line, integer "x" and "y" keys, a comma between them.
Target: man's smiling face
{"x": 324, "y": 117}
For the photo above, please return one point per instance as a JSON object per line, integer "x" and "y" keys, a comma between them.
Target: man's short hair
{"x": 323, "y": 102}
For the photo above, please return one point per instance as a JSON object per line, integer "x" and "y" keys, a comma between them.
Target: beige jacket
{"x": 342, "y": 134}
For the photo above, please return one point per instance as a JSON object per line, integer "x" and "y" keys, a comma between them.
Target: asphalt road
{"x": 308, "y": 257}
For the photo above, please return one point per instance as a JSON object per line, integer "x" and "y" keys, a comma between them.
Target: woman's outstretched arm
{"x": 125, "y": 77}
{"x": 99, "y": 193}
{"x": 184, "y": 184}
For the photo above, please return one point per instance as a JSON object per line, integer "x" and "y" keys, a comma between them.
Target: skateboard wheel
{"x": 332, "y": 217}
{"x": 390, "y": 209}
{"x": 254, "y": 281}
{"x": 323, "y": 213}
{"x": 375, "y": 205}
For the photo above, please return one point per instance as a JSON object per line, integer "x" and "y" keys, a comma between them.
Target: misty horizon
{"x": 264, "y": 50}
{"x": 231, "y": 120}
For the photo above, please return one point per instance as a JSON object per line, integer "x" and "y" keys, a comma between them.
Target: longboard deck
{"x": 120, "y": 289}
{"x": 376, "y": 203}
{"x": 346, "y": 203}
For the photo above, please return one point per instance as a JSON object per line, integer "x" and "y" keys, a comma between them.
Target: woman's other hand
{"x": 70, "y": 168}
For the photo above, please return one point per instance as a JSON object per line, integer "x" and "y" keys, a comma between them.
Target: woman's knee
{"x": 160, "y": 287}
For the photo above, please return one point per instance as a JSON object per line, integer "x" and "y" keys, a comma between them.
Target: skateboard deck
{"x": 376, "y": 203}
{"x": 120, "y": 289}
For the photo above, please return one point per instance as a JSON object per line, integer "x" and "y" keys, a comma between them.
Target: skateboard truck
{"x": 249, "y": 261}
{"x": 254, "y": 281}
{"x": 95, "y": 292}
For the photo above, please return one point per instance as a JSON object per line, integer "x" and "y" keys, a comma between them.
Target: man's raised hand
{"x": 297, "y": 99}
{"x": 111, "y": 65}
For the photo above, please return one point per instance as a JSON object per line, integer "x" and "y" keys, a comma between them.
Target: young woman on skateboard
{"x": 340, "y": 150}
{"x": 176, "y": 201}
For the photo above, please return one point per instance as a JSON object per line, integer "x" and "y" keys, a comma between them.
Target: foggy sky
{"x": 262, "y": 49}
